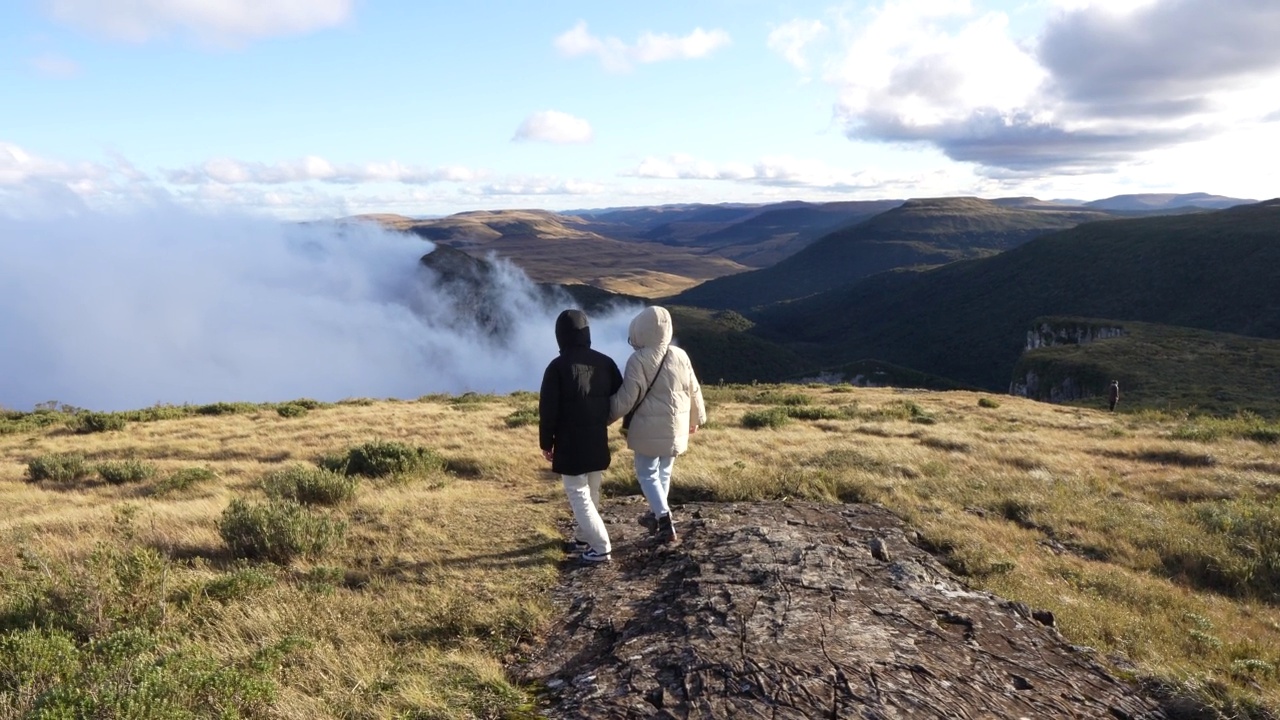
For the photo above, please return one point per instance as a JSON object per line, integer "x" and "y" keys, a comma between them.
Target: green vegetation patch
{"x": 67, "y": 467}
{"x": 120, "y": 472}
{"x": 774, "y": 417}
{"x": 382, "y": 458}
{"x": 310, "y": 485}
{"x": 527, "y": 415}
{"x": 184, "y": 479}
{"x": 279, "y": 531}
{"x": 95, "y": 422}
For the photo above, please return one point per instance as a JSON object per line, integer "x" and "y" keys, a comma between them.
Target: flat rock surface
{"x": 799, "y": 610}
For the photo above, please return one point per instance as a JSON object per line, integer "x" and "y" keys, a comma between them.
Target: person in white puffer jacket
{"x": 659, "y": 385}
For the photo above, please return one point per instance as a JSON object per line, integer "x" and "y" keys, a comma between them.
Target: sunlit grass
{"x": 1149, "y": 537}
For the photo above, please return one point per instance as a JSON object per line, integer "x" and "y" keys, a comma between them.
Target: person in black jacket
{"x": 573, "y": 426}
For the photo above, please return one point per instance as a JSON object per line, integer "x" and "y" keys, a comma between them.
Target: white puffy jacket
{"x": 660, "y": 427}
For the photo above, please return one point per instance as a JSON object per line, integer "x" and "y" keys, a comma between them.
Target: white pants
{"x": 654, "y": 475}
{"x": 583, "y": 492}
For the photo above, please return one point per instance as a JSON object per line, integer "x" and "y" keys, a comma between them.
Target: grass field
{"x": 412, "y": 543}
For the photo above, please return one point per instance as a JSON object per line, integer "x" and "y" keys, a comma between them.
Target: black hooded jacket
{"x": 573, "y": 410}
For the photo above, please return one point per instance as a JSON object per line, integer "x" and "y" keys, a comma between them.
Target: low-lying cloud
{"x": 165, "y": 306}
{"x": 218, "y": 22}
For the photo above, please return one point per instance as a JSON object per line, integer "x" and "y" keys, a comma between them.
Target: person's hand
{"x": 549, "y": 455}
{"x": 693, "y": 429}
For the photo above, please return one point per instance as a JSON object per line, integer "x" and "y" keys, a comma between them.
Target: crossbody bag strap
{"x": 651, "y": 383}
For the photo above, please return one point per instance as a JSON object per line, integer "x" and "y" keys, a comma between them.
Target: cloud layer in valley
{"x": 166, "y": 306}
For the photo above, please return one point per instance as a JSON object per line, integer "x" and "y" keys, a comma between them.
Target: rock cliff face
{"x": 1049, "y": 382}
{"x": 1048, "y": 334}
{"x": 799, "y": 610}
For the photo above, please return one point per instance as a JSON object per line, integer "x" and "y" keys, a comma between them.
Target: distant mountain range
{"x": 968, "y": 320}
{"x": 927, "y": 292}
{"x": 918, "y": 233}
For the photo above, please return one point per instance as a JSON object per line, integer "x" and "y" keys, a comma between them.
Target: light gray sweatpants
{"x": 583, "y": 492}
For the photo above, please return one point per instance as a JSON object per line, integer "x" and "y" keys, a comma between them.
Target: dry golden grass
{"x": 1098, "y": 517}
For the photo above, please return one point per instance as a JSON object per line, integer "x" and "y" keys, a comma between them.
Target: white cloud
{"x": 617, "y": 55}
{"x": 793, "y": 39}
{"x": 220, "y": 22}
{"x": 17, "y": 167}
{"x": 775, "y": 170}
{"x": 227, "y": 171}
{"x": 554, "y": 127}
{"x": 54, "y": 65}
{"x": 535, "y": 186}
{"x": 1101, "y": 85}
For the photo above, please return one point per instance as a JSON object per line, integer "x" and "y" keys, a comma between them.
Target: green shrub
{"x": 128, "y": 674}
{"x": 113, "y": 589}
{"x": 780, "y": 398}
{"x": 308, "y": 403}
{"x": 472, "y": 398}
{"x": 383, "y": 458}
{"x": 278, "y": 531}
{"x": 119, "y": 472}
{"x": 986, "y": 402}
{"x": 98, "y": 422}
{"x": 523, "y": 416}
{"x": 184, "y": 479}
{"x": 238, "y": 584}
{"x": 771, "y": 418}
{"x": 225, "y": 408}
{"x": 309, "y": 485}
{"x": 58, "y": 468}
{"x": 323, "y": 579}
{"x": 290, "y": 410}
{"x": 814, "y": 412}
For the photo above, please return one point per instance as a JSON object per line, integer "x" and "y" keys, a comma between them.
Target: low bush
{"x": 986, "y": 402}
{"x": 58, "y": 468}
{"x": 386, "y": 458}
{"x": 237, "y": 584}
{"x": 183, "y": 479}
{"x": 94, "y": 422}
{"x": 781, "y": 398}
{"x": 309, "y": 485}
{"x": 128, "y": 674}
{"x": 774, "y": 417}
{"x": 119, "y": 472}
{"x": 279, "y": 531}
{"x": 523, "y": 416}
{"x": 113, "y": 589}
{"x": 226, "y": 408}
{"x": 815, "y": 412}
{"x": 291, "y": 410}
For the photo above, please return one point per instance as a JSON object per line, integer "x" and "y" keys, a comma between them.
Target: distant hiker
{"x": 573, "y": 427}
{"x": 1113, "y": 395}
{"x": 661, "y": 405}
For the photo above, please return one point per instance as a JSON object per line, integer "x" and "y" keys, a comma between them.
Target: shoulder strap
{"x": 651, "y": 382}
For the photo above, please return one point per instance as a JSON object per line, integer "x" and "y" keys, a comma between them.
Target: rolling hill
{"x": 968, "y": 320}
{"x": 918, "y": 233}
{"x": 556, "y": 248}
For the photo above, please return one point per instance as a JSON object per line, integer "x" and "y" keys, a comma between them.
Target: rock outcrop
{"x": 799, "y": 610}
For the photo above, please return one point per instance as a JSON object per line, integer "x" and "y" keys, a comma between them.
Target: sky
{"x": 308, "y": 109}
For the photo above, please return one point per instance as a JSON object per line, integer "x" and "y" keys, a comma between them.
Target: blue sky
{"x": 324, "y": 108}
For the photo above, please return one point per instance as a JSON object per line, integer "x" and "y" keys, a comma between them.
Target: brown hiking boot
{"x": 666, "y": 529}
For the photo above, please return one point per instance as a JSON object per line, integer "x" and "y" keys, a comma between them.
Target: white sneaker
{"x": 592, "y": 556}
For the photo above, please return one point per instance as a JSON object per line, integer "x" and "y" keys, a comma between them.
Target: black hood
{"x": 572, "y": 330}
